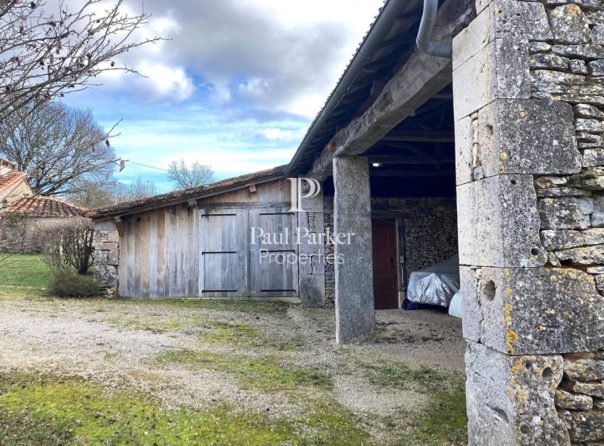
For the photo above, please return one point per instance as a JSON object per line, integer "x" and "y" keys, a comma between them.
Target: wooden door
{"x": 385, "y": 271}
{"x": 223, "y": 252}
{"x": 273, "y": 259}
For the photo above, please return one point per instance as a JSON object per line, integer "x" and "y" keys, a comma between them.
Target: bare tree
{"x": 186, "y": 177}
{"x": 57, "y": 146}
{"x": 101, "y": 193}
{"x": 45, "y": 53}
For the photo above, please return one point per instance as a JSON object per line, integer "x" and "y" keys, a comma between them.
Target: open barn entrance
{"x": 411, "y": 176}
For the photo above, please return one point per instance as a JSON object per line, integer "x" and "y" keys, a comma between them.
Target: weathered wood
{"x": 161, "y": 252}
{"x": 421, "y": 136}
{"x": 421, "y": 78}
{"x": 406, "y": 159}
{"x": 153, "y": 217}
{"x": 269, "y": 277}
{"x": 412, "y": 173}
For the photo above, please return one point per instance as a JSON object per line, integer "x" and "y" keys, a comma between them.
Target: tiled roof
{"x": 11, "y": 179}
{"x": 44, "y": 207}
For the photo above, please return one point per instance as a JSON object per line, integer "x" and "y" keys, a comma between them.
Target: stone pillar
{"x": 528, "y": 97}
{"x": 311, "y": 252}
{"x": 355, "y": 309}
{"x": 106, "y": 255}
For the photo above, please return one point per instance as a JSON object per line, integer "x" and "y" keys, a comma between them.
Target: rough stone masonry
{"x": 529, "y": 109}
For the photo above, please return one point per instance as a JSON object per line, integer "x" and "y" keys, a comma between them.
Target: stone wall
{"x": 529, "y": 102}
{"x": 429, "y": 226}
{"x": 330, "y": 278}
{"x": 570, "y": 68}
{"x": 106, "y": 255}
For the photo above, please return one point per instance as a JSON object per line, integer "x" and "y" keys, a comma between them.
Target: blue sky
{"x": 235, "y": 87}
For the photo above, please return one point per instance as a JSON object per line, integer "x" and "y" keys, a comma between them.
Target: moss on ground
{"x": 247, "y": 306}
{"x": 245, "y": 336}
{"x": 49, "y": 411}
{"x": 265, "y": 373}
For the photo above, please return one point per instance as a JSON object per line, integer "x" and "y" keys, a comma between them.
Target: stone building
{"x": 509, "y": 127}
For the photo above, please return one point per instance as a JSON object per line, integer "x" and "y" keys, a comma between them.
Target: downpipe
{"x": 424, "y": 34}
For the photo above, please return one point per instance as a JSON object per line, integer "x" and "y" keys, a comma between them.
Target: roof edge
{"x": 378, "y": 30}
{"x": 183, "y": 195}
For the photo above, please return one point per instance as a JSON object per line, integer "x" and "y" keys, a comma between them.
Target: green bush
{"x": 70, "y": 284}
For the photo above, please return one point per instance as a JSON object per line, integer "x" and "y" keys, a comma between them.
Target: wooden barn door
{"x": 273, "y": 276}
{"x": 223, "y": 267}
{"x": 385, "y": 269}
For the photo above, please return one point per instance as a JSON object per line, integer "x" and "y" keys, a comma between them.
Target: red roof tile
{"x": 46, "y": 207}
{"x": 11, "y": 179}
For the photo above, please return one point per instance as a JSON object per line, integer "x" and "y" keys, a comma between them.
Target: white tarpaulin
{"x": 436, "y": 284}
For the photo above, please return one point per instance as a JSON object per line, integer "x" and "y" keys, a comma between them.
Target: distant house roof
{"x": 183, "y": 195}
{"x": 44, "y": 207}
{"x": 10, "y": 180}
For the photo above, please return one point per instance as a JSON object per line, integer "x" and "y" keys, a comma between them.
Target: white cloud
{"x": 167, "y": 81}
{"x": 277, "y": 134}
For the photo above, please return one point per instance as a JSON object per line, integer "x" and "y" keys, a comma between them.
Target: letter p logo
{"x": 299, "y": 191}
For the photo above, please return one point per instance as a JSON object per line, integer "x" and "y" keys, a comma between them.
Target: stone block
{"x": 521, "y": 137}
{"x": 593, "y": 157}
{"x": 585, "y": 426}
{"x": 600, "y": 282}
{"x": 589, "y": 125}
{"x": 591, "y": 255}
{"x": 503, "y": 20}
{"x": 350, "y": 176}
{"x": 596, "y": 67}
{"x": 548, "y": 61}
{"x": 567, "y": 400}
{"x": 530, "y": 310}
{"x": 586, "y": 51}
{"x": 500, "y": 70}
{"x": 577, "y": 66}
{"x": 465, "y": 159}
{"x": 556, "y": 192}
{"x": 555, "y": 239}
{"x": 510, "y": 400}
{"x": 584, "y": 369}
{"x": 565, "y": 212}
{"x": 597, "y": 35}
{"x": 588, "y": 140}
{"x": 597, "y": 217}
{"x": 498, "y": 222}
{"x": 569, "y": 24}
{"x": 113, "y": 257}
{"x": 105, "y": 275}
{"x": 554, "y": 82}
{"x": 539, "y": 47}
{"x": 587, "y": 388}
{"x": 561, "y": 238}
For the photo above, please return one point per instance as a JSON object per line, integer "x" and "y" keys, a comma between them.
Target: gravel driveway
{"x": 118, "y": 343}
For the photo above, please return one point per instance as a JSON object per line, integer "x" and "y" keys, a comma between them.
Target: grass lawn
{"x": 207, "y": 372}
{"x": 25, "y": 270}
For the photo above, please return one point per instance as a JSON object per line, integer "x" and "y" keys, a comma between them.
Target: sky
{"x": 235, "y": 85}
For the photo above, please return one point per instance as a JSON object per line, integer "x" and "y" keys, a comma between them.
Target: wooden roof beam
{"x": 421, "y": 78}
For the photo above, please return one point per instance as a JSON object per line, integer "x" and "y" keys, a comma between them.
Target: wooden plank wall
{"x": 159, "y": 253}
{"x": 160, "y": 249}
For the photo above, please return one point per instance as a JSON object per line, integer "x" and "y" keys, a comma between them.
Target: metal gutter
{"x": 378, "y": 31}
{"x": 424, "y": 34}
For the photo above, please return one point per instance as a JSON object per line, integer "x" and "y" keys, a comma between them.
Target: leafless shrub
{"x": 68, "y": 245}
